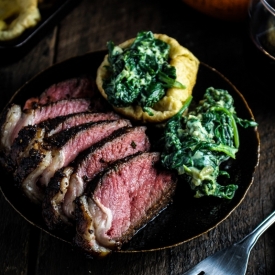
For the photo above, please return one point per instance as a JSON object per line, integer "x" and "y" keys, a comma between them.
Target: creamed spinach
{"x": 197, "y": 143}
{"x": 140, "y": 74}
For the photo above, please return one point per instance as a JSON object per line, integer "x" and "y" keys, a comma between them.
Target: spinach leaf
{"x": 197, "y": 143}
{"x": 140, "y": 74}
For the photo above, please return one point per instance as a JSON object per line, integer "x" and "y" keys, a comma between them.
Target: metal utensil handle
{"x": 250, "y": 240}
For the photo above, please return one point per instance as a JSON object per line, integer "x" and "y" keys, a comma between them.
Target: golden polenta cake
{"x": 16, "y": 16}
{"x": 186, "y": 65}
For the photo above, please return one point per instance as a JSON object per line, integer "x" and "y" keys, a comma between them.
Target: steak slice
{"x": 61, "y": 123}
{"x": 126, "y": 197}
{"x": 8, "y": 122}
{"x": 30, "y": 135}
{"x": 72, "y": 88}
{"x": 122, "y": 143}
{"x": 66, "y": 145}
{"x": 54, "y": 197}
{"x": 62, "y": 148}
{"x": 29, "y": 171}
{"x": 16, "y": 120}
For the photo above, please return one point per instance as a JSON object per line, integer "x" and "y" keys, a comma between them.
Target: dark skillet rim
{"x": 166, "y": 246}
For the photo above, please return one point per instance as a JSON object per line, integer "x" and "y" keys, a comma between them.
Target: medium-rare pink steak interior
{"x": 58, "y": 151}
{"x": 58, "y": 204}
{"x": 123, "y": 143}
{"x": 91, "y": 169}
{"x": 126, "y": 197}
{"x": 66, "y": 145}
{"x": 61, "y": 123}
{"x": 16, "y": 119}
{"x": 72, "y": 88}
{"x": 29, "y": 136}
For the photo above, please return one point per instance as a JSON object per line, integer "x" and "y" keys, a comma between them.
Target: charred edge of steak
{"x": 50, "y": 215}
{"x": 32, "y": 134}
{"x": 50, "y": 124}
{"x": 61, "y": 138}
{"x": 27, "y": 165}
{"x": 25, "y": 136}
{"x": 76, "y": 119}
{"x": 82, "y": 218}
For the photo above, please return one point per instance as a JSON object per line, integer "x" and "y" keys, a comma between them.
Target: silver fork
{"x": 232, "y": 260}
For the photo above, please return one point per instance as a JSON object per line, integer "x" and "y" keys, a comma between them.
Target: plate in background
{"x": 50, "y": 16}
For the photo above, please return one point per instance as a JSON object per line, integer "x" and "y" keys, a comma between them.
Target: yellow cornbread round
{"x": 24, "y": 13}
{"x": 186, "y": 65}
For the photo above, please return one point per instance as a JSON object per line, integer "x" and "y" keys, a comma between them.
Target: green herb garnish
{"x": 197, "y": 143}
{"x": 140, "y": 74}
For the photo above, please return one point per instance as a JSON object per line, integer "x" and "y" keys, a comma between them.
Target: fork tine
{"x": 222, "y": 263}
{"x": 199, "y": 269}
{"x": 195, "y": 271}
{"x": 232, "y": 260}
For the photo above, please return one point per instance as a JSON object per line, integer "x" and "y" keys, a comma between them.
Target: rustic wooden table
{"x": 26, "y": 250}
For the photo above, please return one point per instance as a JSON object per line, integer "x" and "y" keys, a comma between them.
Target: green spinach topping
{"x": 140, "y": 74}
{"x": 197, "y": 143}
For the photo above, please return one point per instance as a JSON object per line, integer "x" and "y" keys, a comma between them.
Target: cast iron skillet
{"x": 187, "y": 217}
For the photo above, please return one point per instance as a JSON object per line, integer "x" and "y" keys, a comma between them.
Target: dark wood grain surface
{"x": 25, "y": 250}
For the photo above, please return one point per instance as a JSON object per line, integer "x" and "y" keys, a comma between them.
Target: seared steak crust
{"x": 58, "y": 151}
{"x": 23, "y": 140}
{"x": 60, "y": 123}
{"x": 60, "y": 139}
{"x": 30, "y": 135}
{"x": 16, "y": 119}
{"x": 85, "y": 236}
{"x": 27, "y": 165}
{"x": 54, "y": 196}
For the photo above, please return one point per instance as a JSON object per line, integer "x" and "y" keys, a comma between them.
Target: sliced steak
{"x": 30, "y": 135}
{"x": 9, "y": 120}
{"x": 126, "y": 197}
{"x": 63, "y": 147}
{"x": 66, "y": 145}
{"x": 29, "y": 138}
{"x": 120, "y": 144}
{"x": 17, "y": 121}
{"x": 68, "y": 89}
{"x": 29, "y": 171}
{"x": 58, "y": 124}
{"x": 54, "y": 197}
